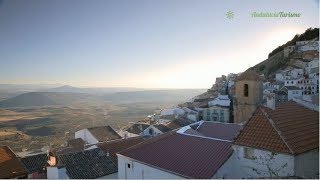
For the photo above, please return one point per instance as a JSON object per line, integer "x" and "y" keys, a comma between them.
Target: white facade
{"x": 291, "y": 82}
{"x": 86, "y": 135}
{"x": 306, "y": 165}
{"x": 216, "y": 113}
{"x": 296, "y": 73}
{"x": 294, "y": 94}
{"x": 221, "y": 100}
{"x": 307, "y": 45}
{"x": 248, "y": 162}
{"x": 53, "y": 172}
{"x": 312, "y": 64}
{"x": 280, "y": 77}
{"x": 131, "y": 169}
{"x": 255, "y": 163}
{"x": 172, "y": 111}
{"x": 192, "y": 117}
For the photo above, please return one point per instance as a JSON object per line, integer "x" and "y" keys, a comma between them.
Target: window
{"x": 248, "y": 153}
{"x": 246, "y": 90}
{"x": 221, "y": 119}
{"x": 151, "y": 131}
{"x": 129, "y": 166}
{"x": 291, "y": 82}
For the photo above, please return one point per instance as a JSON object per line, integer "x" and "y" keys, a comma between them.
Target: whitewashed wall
{"x": 54, "y": 172}
{"x": 86, "y": 136}
{"x": 192, "y": 117}
{"x": 176, "y": 111}
{"x": 294, "y": 94}
{"x": 265, "y": 164}
{"x": 140, "y": 171}
{"x": 306, "y": 165}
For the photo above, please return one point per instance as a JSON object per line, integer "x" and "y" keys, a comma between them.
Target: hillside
{"x": 309, "y": 34}
{"x": 276, "y": 59}
{"x": 174, "y": 95}
{"x": 49, "y": 99}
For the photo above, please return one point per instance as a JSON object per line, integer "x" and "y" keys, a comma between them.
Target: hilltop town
{"x": 247, "y": 125}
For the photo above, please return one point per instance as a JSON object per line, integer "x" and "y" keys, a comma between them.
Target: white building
{"x": 296, "y": 73}
{"x": 292, "y": 82}
{"x": 216, "y": 113}
{"x": 303, "y": 46}
{"x": 183, "y": 154}
{"x": 172, "y": 111}
{"x": 292, "y": 92}
{"x": 221, "y": 100}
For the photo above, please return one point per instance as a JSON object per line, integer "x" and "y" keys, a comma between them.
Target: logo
{"x": 230, "y": 14}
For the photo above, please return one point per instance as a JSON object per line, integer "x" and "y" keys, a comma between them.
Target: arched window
{"x": 246, "y": 90}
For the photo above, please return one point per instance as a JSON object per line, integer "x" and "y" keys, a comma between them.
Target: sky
{"x": 141, "y": 43}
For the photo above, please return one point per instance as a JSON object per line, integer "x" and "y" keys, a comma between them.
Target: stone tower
{"x": 248, "y": 96}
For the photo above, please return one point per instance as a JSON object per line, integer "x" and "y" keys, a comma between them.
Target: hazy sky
{"x": 141, "y": 43}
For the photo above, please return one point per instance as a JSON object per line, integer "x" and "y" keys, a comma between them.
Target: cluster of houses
{"x": 246, "y": 127}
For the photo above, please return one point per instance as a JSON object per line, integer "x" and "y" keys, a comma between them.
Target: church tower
{"x": 248, "y": 96}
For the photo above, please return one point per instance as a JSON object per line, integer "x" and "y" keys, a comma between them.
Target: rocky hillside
{"x": 276, "y": 60}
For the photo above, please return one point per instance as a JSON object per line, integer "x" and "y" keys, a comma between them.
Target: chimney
{"x": 271, "y": 102}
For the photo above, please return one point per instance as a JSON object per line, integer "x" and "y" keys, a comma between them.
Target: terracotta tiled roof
{"x": 298, "y": 125}
{"x": 178, "y": 123}
{"x": 77, "y": 143}
{"x": 219, "y": 130}
{"x": 137, "y": 128}
{"x": 186, "y": 156}
{"x": 113, "y": 147}
{"x": 290, "y": 128}
{"x": 162, "y": 128}
{"x": 10, "y": 166}
{"x": 104, "y": 133}
{"x": 249, "y": 75}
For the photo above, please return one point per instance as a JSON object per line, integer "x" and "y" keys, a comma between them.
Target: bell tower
{"x": 248, "y": 96}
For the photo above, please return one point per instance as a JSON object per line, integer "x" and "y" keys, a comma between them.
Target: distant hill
{"x": 172, "y": 95}
{"x": 49, "y": 99}
{"x": 28, "y": 99}
{"x": 93, "y": 90}
{"x": 66, "y": 88}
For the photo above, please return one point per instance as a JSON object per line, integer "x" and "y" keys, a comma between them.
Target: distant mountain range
{"x": 174, "y": 95}
{"x": 67, "y": 88}
{"x": 49, "y": 99}
{"x": 68, "y": 95}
